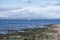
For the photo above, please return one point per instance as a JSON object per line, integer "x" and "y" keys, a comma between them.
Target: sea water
{"x": 23, "y": 23}
{"x": 20, "y": 24}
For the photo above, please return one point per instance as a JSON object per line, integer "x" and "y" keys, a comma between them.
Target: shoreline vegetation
{"x": 50, "y": 32}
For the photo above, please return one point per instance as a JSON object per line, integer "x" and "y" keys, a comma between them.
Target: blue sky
{"x": 30, "y": 9}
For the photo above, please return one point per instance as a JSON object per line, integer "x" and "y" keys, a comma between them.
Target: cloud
{"x": 36, "y": 9}
{"x": 2, "y": 16}
{"x": 26, "y": 1}
{"x": 52, "y": 3}
{"x": 51, "y": 10}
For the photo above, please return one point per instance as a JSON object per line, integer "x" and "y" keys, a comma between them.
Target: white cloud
{"x": 26, "y": 1}
{"x": 2, "y": 15}
{"x": 50, "y": 11}
{"x": 37, "y": 9}
{"x": 51, "y": 3}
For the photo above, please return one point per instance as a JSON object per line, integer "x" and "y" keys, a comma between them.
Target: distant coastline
{"x": 30, "y": 19}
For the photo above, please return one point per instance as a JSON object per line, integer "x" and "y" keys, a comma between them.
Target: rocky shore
{"x": 49, "y": 32}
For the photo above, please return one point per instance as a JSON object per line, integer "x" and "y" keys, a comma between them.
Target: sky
{"x": 29, "y": 9}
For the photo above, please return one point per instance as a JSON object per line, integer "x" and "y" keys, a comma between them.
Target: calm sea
{"x": 29, "y": 22}
{"x": 24, "y": 23}
{"x": 18, "y": 24}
